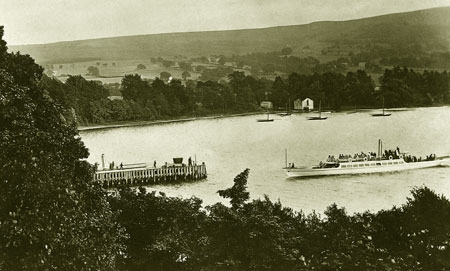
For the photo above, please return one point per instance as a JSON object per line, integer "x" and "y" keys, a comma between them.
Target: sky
{"x": 44, "y": 21}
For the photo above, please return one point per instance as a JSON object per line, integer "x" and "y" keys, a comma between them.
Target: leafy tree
{"x": 164, "y": 75}
{"x": 94, "y": 71}
{"x": 141, "y": 67}
{"x": 279, "y": 94}
{"x": 134, "y": 88}
{"x": 165, "y": 233}
{"x": 52, "y": 214}
{"x": 56, "y": 89}
{"x": 237, "y": 194}
{"x": 359, "y": 88}
{"x": 185, "y": 75}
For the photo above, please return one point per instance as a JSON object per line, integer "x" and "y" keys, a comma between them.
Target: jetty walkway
{"x": 143, "y": 174}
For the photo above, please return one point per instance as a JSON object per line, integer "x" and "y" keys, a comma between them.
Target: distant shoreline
{"x": 155, "y": 122}
{"x": 222, "y": 116}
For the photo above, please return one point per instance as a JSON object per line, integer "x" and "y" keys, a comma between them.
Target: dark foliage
{"x": 87, "y": 102}
{"x": 404, "y": 87}
{"x": 93, "y": 71}
{"x": 238, "y": 193}
{"x": 52, "y": 215}
{"x": 176, "y": 234}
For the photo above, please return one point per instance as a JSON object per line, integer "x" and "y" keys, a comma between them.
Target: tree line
{"x": 87, "y": 101}
{"x": 54, "y": 217}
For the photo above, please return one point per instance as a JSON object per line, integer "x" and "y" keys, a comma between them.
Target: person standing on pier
{"x": 154, "y": 164}
{"x": 190, "y": 161}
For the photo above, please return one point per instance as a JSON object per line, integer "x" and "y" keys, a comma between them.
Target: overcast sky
{"x": 42, "y": 21}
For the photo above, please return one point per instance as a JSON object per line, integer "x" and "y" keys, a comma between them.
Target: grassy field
{"x": 114, "y": 71}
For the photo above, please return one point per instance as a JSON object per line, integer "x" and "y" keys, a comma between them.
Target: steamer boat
{"x": 389, "y": 161}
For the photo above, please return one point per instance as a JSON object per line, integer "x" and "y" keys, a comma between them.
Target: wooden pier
{"x": 142, "y": 174}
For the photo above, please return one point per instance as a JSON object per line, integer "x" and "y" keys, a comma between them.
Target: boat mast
{"x": 383, "y": 105}
{"x": 320, "y": 109}
{"x": 285, "y": 157}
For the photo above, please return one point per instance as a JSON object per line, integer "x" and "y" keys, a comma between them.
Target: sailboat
{"x": 320, "y": 114}
{"x": 381, "y": 114}
{"x": 265, "y": 120}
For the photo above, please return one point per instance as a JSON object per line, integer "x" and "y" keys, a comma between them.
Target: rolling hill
{"x": 429, "y": 29}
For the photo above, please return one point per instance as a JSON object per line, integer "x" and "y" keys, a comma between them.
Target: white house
{"x": 266, "y": 104}
{"x": 307, "y": 104}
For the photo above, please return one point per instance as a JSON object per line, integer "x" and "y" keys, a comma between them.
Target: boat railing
{"x": 365, "y": 159}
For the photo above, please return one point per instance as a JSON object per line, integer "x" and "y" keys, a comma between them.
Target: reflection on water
{"x": 228, "y": 146}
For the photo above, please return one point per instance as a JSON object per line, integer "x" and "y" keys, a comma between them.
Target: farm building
{"x": 307, "y": 104}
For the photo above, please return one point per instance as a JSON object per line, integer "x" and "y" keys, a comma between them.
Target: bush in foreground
{"x": 178, "y": 234}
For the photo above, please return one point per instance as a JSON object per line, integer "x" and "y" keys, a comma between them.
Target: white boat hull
{"x": 372, "y": 168}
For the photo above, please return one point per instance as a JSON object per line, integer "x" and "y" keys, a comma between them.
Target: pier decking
{"x": 146, "y": 175}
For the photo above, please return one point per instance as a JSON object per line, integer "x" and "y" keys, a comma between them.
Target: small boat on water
{"x": 383, "y": 114}
{"x": 265, "y": 120}
{"x": 320, "y": 114}
{"x": 388, "y": 161}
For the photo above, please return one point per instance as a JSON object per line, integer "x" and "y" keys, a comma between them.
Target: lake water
{"x": 230, "y": 145}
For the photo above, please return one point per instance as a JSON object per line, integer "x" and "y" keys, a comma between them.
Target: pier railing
{"x": 147, "y": 176}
